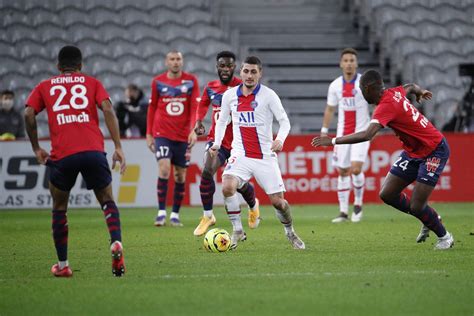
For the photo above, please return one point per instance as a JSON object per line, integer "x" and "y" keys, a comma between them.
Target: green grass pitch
{"x": 370, "y": 268}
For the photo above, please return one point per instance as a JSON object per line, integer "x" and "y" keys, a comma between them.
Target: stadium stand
{"x": 423, "y": 42}
{"x": 299, "y": 43}
{"x": 298, "y": 40}
{"x": 122, "y": 41}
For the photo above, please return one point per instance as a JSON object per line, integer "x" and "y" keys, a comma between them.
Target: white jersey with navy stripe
{"x": 353, "y": 110}
{"x": 252, "y": 118}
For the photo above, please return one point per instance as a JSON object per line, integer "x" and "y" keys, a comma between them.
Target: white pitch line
{"x": 296, "y": 274}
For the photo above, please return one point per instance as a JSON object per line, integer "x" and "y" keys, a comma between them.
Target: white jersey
{"x": 252, "y": 118}
{"x": 353, "y": 110}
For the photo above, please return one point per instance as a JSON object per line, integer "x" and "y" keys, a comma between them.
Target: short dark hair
{"x": 7, "y": 92}
{"x": 69, "y": 57}
{"x": 370, "y": 77}
{"x": 253, "y": 60}
{"x": 225, "y": 54}
{"x": 348, "y": 50}
{"x": 133, "y": 86}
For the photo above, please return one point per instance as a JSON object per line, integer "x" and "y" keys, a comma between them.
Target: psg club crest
{"x": 254, "y": 104}
{"x": 354, "y": 92}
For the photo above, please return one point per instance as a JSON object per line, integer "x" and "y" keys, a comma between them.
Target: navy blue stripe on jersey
{"x": 170, "y": 91}
{"x": 215, "y": 97}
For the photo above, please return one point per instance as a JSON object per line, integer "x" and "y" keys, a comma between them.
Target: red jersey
{"x": 418, "y": 136}
{"x": 172, "y": 108}
{"x": 213, "y": 95}
{"x": 71, "y": 102}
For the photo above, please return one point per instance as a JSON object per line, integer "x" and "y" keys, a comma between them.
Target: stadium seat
{"x": 39, "y": 17}
{"x": 150, "y": 47}
{"x": 191, "y": 16}
{"x": 10, "y": 65}
{"x": 72, "y": 17}
{"x": 28, "y": 49}
{"x": 104, "y": 16}
{"x": 49, "y": 32}
{"x": 132, "y": 65}
{"x": 131, "y": 17}
{"x": 140, "y": 31}
{"x": 17, "y": 32}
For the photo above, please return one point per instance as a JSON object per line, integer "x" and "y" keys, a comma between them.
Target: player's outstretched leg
{"x": 60, "y": 236}
{"x": 283, "y": 213}
{"x": 179, "y": 188}
{"x": 232, "y": 206}
{"x": 60, "y": 231}
{"x": 248, "y": 193}
{"x": 343, "y": 193}
{"x": 161, "y": 192}
{"x": 112, "y": 219}
{"x": 358, "y": 183}
{"x": 207, "y": 188}
{"x": 416, "y": 206}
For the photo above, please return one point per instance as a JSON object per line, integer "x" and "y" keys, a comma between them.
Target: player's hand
{"x": 119, "y": 157}
{"x": 213, "y": 151}
{"x": 424, "y": 95}
{"x": 277, "y": 146}
{"x": 199, "y": 129}
{"x": 41, "y": 155}
{"x": 192, "y": 138}
{"x": 322, "y": 140}
{"x": 150, "y": 143}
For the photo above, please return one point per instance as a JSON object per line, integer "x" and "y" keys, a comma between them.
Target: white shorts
{"x": 346, "y": 153}
{"x": 266, "y": 171}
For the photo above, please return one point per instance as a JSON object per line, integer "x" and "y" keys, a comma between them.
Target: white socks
{"x": 161, "y": 213}
{"x": 63, "y": 264}
{"x": 232, "y": 206}
{"x": 343, "y": 192}
{"x": 358, "y": 182}
{"x": 174, "y": 215}
{"x": 208, "y": 213}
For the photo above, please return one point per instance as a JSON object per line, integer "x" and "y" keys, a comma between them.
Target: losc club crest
{"x": 254, "y": 104}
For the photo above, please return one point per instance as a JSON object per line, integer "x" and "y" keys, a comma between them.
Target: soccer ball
{"x": 217, "y": 240}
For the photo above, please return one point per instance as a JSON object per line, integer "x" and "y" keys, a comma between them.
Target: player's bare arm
{"x": 328, "y": 115}
{"x": 30, "y": 125}
{"x": 150, "y": 143}
{"x": 354, "y": 138}
{"x": 199, "y": 128}
{"x": 192, "y": 138}
{"x": 112, "y": 125}
{"x": 419, "y": 93}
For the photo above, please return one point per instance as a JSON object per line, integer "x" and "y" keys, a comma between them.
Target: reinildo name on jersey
{"x": 72, "y": 118}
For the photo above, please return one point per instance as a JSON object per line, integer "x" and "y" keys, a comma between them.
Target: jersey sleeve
{"x": 203, "y": 105}
{"x": 100, "y": 94}
{"x": 280, "y": 114}
{"x": 383, "y": 114}
{"x": 221, "y": 123}
{"x": 35, "y": 100}
{"x": 332, "y": 99}
{"x": 150, "y": 117}
{"x": 195, "y": 94}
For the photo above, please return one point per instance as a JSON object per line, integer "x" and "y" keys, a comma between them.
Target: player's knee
{"x": 164, "y": 173}
{"x": 228, "y": 189}
{"x": 344, "y": 172}
{"x": 356, "y": 170}
{"x": 385, "y": 196}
